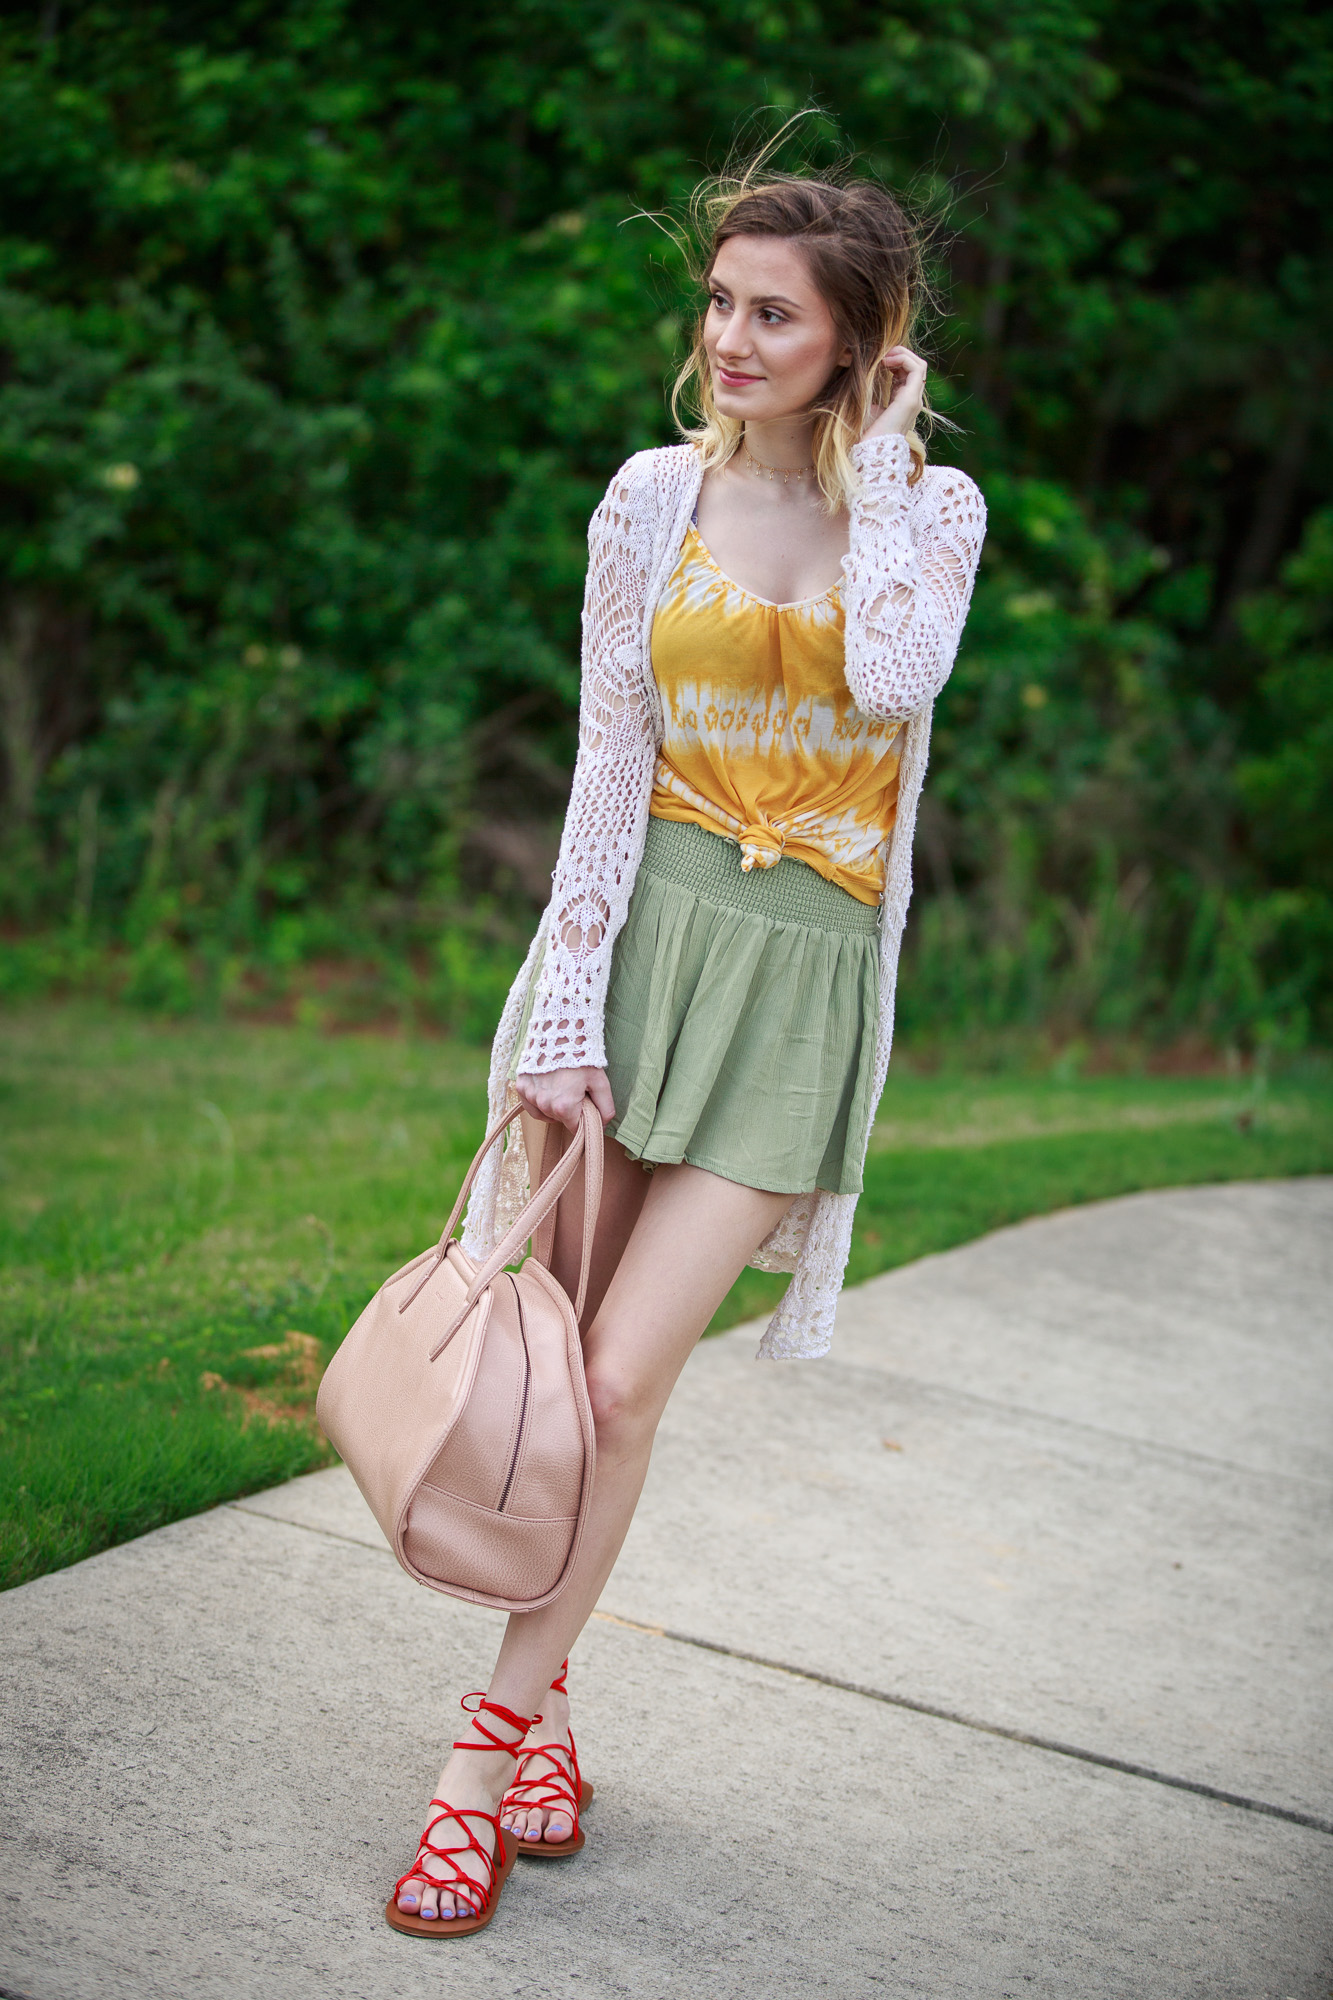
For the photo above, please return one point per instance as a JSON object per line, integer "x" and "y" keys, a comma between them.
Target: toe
{"x": 533, "y": 1829}
{"x": 558, "y": 1827}
{"x": 409, "y": 1896}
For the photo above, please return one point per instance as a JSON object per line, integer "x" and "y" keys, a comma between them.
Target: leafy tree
{"x": 322, "y": 326}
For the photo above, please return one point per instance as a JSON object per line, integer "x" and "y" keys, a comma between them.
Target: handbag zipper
{"x": 523, "y": 1406}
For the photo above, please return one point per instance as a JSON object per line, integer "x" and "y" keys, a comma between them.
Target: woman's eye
{"x": 771, "y": 317}
{"x": 719, "y": 302}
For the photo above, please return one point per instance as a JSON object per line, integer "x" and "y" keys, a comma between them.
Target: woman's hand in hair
{"x": 557, "y": 1097}
{"x": 908, "y": 394}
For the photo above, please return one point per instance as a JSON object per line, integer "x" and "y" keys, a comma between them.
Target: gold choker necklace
{"x": 770, "y": 472}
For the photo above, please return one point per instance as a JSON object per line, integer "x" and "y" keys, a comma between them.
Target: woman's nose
{"x": 733, "y": 343}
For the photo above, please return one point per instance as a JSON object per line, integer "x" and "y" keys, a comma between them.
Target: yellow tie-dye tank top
{"x": 763, "y": 741}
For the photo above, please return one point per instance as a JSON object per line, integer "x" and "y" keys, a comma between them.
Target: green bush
{"x": 322, "y": 327}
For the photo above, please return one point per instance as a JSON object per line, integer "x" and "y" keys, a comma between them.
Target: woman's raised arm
{"x": 906, "y": 593}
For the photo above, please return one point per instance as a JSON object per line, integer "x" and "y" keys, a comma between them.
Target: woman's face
{"x": 769, "y": 334}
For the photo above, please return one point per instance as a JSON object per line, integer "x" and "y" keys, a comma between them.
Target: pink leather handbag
{"x": 459, "y": 1405}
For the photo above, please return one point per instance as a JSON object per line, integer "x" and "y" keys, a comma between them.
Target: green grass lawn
{"x": 191, "y": 1215}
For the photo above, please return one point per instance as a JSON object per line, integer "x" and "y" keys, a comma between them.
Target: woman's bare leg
{"x": 624, "y": 1190}
{"x": 693, "y": 1236}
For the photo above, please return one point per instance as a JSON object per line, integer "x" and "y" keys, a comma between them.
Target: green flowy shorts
{"x": 741, "y": 1017}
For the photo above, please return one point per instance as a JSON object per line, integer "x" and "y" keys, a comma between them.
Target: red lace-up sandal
{"x": 436, "y": 1863}
{"x": 554, "y": 1785}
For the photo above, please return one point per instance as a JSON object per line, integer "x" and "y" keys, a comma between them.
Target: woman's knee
{"x": 624, "y": 1409}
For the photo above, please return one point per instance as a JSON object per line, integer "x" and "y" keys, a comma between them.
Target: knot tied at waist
{"x": 761, "y": 846}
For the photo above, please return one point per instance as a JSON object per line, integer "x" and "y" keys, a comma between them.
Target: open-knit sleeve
{"x": 908, "y": 573}
{"x": 608, "y": 803}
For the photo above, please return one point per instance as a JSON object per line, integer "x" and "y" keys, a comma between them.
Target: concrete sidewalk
{"x": 921, "y": 1673}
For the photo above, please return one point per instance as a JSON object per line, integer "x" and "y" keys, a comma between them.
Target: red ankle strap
{"x": 558, "y": 1684}
{"x": 476, "y": 1705}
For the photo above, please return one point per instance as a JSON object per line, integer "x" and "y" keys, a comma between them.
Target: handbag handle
{"x": 588, "y": 1141}
{"x": 496, "y": 1132}
{"x": 543, "y": 1236}
{"x": 587, "y": 1145}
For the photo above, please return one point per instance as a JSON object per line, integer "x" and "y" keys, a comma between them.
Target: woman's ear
{"x": 845, "y": 357}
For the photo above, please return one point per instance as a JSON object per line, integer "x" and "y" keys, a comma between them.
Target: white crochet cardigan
{"x": 908, "y": 579}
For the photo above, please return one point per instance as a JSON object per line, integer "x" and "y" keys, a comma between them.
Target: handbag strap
{"x": 496, "y": 1132}
{"x": 446, "y": 1234}
{"x": 588, "y": 1143}
{"x": 543, "y": 1236}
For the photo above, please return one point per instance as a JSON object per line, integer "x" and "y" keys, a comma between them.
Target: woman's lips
{"x": 733, "y": 380}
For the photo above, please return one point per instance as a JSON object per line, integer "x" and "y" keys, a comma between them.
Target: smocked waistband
{"x": 790, "y": 892}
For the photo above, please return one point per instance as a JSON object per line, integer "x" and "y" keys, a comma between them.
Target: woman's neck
{"x": 784, "y": 442}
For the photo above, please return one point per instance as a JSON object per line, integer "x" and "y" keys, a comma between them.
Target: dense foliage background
{"x": 322, "y": 327}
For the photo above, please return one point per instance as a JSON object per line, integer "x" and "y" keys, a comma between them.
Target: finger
{"x": 599, "y": 1090}
{"x": 908, "y": 387}
{"x": 906, "y": 373}
{"x": 904, "y": 366}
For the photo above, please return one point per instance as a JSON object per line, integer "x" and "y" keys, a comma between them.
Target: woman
{"x": 770, "y": 610}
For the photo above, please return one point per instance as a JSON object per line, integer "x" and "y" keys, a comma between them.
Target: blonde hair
{"x": 865, "y": 257}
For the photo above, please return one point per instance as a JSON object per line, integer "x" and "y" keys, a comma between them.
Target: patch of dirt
{"x": 299, "y": 1375}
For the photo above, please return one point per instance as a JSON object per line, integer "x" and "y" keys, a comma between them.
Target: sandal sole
{"x": 556, "y": 1850}
{"x": 434, "y": 1927}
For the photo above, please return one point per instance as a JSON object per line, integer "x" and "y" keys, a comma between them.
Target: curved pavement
{"x": 989, "y": 1656}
